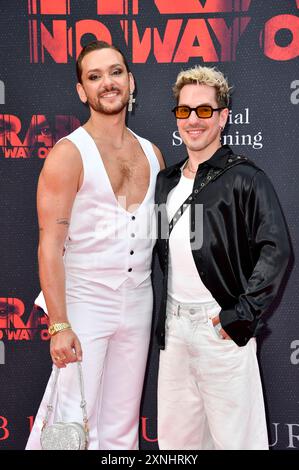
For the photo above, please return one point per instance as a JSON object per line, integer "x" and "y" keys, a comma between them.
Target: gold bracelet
{"x": 56, "y": 327}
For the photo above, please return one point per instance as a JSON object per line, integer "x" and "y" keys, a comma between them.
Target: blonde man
{"x": 224, "y": 248}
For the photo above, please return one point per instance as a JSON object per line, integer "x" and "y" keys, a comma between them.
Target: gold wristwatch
{"x": 56, "y": 327}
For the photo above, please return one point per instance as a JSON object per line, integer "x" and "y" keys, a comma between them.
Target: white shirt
{"x": 184, "y": 282}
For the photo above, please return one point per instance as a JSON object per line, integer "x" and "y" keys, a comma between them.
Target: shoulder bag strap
{"x": 82, "y": 403}
{"x": 211, "y": 176}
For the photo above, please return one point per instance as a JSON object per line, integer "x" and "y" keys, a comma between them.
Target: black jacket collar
{"x": 218, "y": 160}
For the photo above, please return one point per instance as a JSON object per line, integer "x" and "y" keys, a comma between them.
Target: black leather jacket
{"x": 245, "y": 243}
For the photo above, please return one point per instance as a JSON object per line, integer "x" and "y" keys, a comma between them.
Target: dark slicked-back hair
{"x": 95, "y": 46}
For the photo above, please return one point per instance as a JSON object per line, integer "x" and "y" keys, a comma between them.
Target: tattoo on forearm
{"x": 62, "y": 221}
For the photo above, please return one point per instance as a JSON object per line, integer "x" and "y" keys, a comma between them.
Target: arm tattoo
{"x": 62, "y": 221}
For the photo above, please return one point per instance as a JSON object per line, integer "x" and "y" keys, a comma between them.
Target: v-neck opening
{"x": 108, "y": 179}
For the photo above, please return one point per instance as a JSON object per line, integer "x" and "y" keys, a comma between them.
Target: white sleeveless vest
{"x": 106, "y": 243}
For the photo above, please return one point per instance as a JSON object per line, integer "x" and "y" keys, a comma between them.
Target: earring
{"x": 131, "y": 102}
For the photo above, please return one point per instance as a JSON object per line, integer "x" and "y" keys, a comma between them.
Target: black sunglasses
{"x": 202, "y": 111}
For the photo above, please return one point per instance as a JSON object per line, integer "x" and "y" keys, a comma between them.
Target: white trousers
{"x": 114, "y": 330}
{"x": 209, "y": 389}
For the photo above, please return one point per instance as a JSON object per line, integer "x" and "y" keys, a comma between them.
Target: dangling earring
{"x": 131, "y": 102}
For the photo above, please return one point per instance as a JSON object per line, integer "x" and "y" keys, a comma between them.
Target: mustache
{"x": 107, "y": 89}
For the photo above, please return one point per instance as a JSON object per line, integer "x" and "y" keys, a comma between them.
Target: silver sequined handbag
{"x": 65, "y": 436}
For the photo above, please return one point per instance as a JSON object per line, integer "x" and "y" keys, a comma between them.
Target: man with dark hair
{"x": 224, "y": 254}
{"x": 96, "y": 46}
{"x": 96, "y": 207}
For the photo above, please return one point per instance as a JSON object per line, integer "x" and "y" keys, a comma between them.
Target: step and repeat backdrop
{"x": 256, "y": 44}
